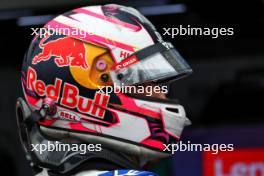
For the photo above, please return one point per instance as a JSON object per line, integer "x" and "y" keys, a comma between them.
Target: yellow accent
{"x": 90, "y": 78}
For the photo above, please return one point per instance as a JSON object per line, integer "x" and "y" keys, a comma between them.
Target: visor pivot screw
{"x": 49, "y": 106}
{"x": 101, "y": 65}
{"x": 105, "y": 77}
{"x": 120, "y": 76}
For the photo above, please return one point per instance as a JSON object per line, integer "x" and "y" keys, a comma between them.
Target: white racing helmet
{"x": 66, "y": 71}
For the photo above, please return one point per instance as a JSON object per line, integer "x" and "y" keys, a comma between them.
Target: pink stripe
{"x": 80, "y": 127}
{"x": 111, "y": 20}
{"x": 129, "y": 103}
{"x": 89, "y": 37}
{"x": 153, "y": 143}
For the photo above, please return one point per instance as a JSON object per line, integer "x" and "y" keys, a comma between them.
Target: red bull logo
{"x": 70, "y": 96}
{"x": 66, "y": 51}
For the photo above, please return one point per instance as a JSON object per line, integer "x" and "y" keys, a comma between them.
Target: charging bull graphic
{"x": 66, "y": 51}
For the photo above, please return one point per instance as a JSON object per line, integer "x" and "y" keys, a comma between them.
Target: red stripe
{"x": 153, "y": 143}
{"x": 86, "y": 117}
{"x": 104, "y": 104}
{"x": 129, "y": 104}
{"x": 90, "y": 37}
{"x": 125, "y": 63}
{"x": 47, "y": 122}
{"x": 96, "y": 103}
{"x": 106, "y": 18}
{"x": 80, "y": 127}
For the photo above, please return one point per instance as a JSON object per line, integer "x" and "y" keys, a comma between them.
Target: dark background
{"x": 226, "y": 89}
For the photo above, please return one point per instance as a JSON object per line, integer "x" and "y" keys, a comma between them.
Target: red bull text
{"x": 70, "y": 95}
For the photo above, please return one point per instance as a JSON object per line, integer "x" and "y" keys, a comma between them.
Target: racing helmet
{"x": 73, "y": 77}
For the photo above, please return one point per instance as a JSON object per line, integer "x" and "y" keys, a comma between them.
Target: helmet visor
{"x": 160, "y": 63}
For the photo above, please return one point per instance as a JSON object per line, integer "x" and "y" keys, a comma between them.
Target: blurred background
{"x": 223, "y": 98}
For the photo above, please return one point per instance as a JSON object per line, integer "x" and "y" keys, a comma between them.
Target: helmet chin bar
{"x": 29, "y": 131}
{"x": 118, "y": 145}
